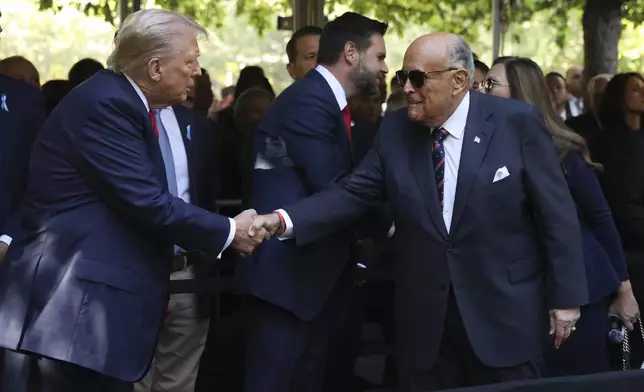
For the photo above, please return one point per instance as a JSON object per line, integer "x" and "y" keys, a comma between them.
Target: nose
{"x": 408, "y": 88}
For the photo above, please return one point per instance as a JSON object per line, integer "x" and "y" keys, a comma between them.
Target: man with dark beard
{"x": 298, "y": 297}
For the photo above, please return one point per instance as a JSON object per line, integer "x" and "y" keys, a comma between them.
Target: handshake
{"x": 253, "y": 229}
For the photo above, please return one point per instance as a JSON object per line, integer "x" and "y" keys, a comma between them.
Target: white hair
{"x": 591, "y": 85}
{"x": 147, "y": 34}
{"x": 460, "y": 55}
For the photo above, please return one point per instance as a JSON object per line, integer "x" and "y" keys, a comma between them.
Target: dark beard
{"x": 366, "y": 82}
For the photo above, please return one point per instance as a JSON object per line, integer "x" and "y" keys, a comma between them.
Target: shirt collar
{"x": 455, "y": 124}
{"x": 336, "y": 87}
{"x": 139, "y": 92}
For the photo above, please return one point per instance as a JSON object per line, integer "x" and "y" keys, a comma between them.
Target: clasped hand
{"x": 243, "y": 242}
{"x": 253, "y": 229}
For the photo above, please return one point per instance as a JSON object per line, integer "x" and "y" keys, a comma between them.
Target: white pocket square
{"x": 501, "y": 174}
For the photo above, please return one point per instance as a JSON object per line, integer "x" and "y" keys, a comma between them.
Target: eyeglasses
{"x": 489, "y": 84}
{"x": 417, "y": 77}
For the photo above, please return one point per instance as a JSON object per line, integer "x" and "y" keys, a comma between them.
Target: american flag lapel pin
{"x": 476, "y": 139}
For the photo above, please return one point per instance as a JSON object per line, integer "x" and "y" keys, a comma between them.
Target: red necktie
{"x": 347, "y": 122}
{"x": 154, "y": 123}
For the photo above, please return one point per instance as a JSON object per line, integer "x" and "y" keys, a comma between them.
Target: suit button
{"x": 443, "y": 286}
{"x": 449, "y": 247}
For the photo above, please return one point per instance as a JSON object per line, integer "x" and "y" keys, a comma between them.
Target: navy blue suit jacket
{"x": 304, "y": 137}
{"x": 514, "y": 249}
{"x": 19, "y": 125}
{"x": 86, "y": 280}
{"x": 603, "y": 255}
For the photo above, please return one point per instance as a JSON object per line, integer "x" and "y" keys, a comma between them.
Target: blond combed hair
{"x": 148, "y": 34}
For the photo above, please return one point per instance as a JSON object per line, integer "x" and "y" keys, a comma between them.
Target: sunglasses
{"x": 489, "y": 84}
{"x": 417, "y": 77}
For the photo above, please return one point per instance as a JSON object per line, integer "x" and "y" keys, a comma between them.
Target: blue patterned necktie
{"x": 438, "y": 157}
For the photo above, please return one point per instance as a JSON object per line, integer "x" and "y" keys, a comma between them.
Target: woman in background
{"x": 609, "y": 287}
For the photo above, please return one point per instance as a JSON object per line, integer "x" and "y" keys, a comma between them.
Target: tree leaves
{"x": 465, "y": 18}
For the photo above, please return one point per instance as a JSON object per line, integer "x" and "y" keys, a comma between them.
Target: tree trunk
{"x": 602, "y": 23}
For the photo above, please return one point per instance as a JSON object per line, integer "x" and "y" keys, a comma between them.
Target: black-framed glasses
{"x": 417, "y": 77}
{"x": 489, "y": 84}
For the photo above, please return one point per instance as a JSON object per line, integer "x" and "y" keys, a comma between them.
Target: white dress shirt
{"x": 179, "y": 158}
{"x": 576, "y": 106}
{"x": 453, "y": 145}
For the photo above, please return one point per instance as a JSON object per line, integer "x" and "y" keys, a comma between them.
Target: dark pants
{"x": 286, "y": 354}
{"x": 457, "y": 365}
{"x": 27, "y": 373}
{"x": 586, "y": 350}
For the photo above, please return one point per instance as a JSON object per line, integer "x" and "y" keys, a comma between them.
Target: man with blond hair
{"x": 82, "y": 291}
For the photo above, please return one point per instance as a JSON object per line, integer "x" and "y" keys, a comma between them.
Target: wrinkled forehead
{"x": 425, "y": 57}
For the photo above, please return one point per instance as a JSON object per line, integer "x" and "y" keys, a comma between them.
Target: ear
{"x": 461, "y": 81}
{"x": 155, "y": 69}
{"x": 351, "y": 54}
{"x": 290, "y": 68}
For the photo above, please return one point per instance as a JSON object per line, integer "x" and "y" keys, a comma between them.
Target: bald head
{"x": 444, "y": 49}
{"x": 18, "y": 67}
{"x": 575, "y": 82}
{"x": 438, "y": 71}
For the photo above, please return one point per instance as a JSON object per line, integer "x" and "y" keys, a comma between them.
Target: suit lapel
{"x": 341, "y": 127}
{"x": 476, "y": 140}
{"x": 423, "y": 169}
{"x": 148, "y": 134}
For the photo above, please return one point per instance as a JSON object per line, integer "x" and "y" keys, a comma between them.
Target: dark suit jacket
{"x": 86, "y": 281}
{"x": 623, "y": 182}
{"x": 603, "y": 254}
{"x": 587, "y": 126}
{"x": 304, "y": 137}
{"x": 18, "y": 128}
{"x": 514, "y": 248}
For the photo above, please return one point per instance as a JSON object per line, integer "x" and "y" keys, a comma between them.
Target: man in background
{"x": 575, "y": 86}
{"x": 302, "y": 51}
{"x": 299, "y": 298}
{"x": 20, "y": 68}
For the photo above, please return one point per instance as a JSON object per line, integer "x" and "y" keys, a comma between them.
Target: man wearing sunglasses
{"x": 488, "y": 241}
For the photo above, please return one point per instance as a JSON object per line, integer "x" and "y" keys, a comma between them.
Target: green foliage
{"x": 465, "y": 18}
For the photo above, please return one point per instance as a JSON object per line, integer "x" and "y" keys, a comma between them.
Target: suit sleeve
{"x": 115, "y": 161}
{"x": 594, "y": 210}
{"x": 313, "y": 145}
{"x": 320, "y": 215}
{"x": 21, "y": 160}
{"x": 556, "y": 215}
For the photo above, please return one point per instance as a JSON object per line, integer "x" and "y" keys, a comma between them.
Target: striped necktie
{"x": 438, "y": 158}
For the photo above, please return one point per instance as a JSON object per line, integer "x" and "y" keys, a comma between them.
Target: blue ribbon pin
{"x": 188, "y": 133}
{"x": 3, "y": 102}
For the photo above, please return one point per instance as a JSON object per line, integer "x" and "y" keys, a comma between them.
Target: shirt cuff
{"x": 288, "y": 233}
{"x": 6, "y": 239}
{"x": 231, "y": 236}
{"x": 392, "y": 230}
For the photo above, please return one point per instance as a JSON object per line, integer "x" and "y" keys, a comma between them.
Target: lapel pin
{"x": 188, "y": 133}
{"x": 352, "y": 123}
{"x": 3, "y": 102}
{"x": 476, "y": 139}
